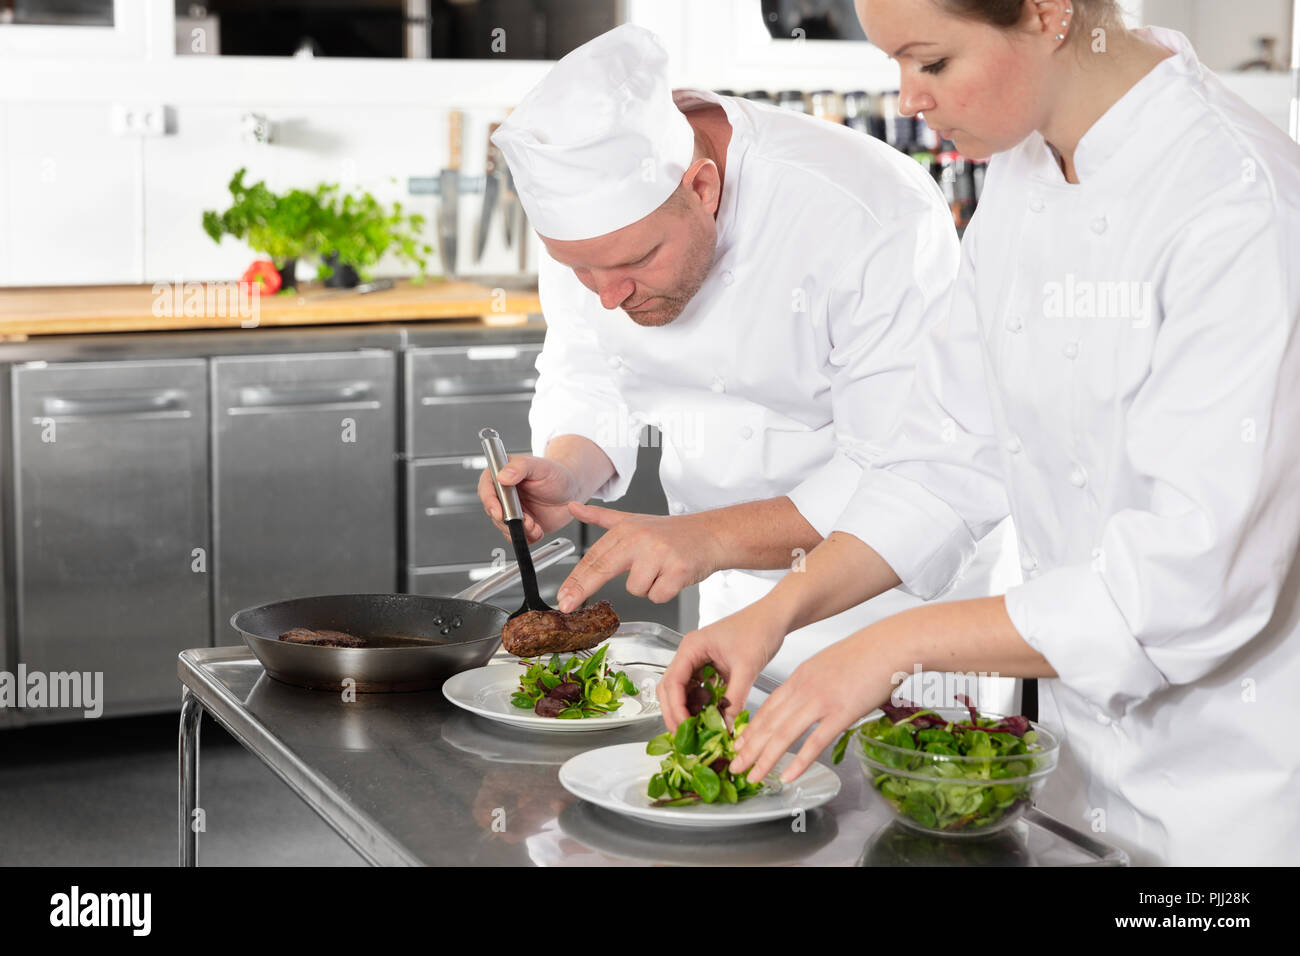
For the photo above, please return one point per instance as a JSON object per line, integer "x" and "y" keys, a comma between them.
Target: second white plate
{"x": 616, "y": 778}
{"x": 486, "y": 691}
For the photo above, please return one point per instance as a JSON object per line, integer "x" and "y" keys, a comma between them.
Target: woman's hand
{"x": 545, "y": 489}
{"x": 831, "y": 689}
{"x": 661, "y": 555}
{"x": 738, "y": 646}
{"x": 853, "y": 677}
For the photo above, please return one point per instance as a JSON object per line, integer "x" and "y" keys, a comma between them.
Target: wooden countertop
{"x": 55, "y": 310}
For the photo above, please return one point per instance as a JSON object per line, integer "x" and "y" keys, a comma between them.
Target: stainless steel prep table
{"x": 409, "y": 779}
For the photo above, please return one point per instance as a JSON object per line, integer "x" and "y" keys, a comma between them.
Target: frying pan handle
{"x": 497, "y": 458}
{"x": 543, "y": 557}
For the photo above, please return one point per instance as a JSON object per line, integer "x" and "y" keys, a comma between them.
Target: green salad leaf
{"x": 698, "y": 753}
{"x": 574, "y": 689}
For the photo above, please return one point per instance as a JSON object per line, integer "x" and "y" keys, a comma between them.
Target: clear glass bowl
{"x": 953, "y": 795}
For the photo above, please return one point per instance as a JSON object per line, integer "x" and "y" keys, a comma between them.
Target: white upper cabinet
{"x": 99, "y": 29}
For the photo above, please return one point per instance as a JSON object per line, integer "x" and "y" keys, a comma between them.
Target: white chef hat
{"x": 598, "y": 143}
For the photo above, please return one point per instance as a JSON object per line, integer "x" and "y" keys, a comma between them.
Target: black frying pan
{"x": 416, "y": 641}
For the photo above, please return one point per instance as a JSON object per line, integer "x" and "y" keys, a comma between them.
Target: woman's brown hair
{"x": 1006, "y": 13}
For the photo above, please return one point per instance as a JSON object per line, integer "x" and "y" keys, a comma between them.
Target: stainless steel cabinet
{"x": 304, "y": 477}
{"x": 111, "y": 522}
{"x": 452, "y": 392}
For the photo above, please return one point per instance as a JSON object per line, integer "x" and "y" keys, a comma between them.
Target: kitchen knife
{"x": 523, "y": 239}
{"x": 509, "y": 204}
{"x": 449, "y": 191}
{"x": 491, "y": 189}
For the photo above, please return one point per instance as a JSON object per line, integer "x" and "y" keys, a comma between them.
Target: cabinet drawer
{"x": 452, "y": 392}
{"x": 450, "y": 426}
{"x": 445, "y": 523}
{"x": 460, "y": 370}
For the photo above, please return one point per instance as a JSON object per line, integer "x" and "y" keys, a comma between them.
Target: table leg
{"x": 191, "y": 719}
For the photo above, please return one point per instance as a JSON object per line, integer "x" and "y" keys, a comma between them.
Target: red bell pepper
{"x": 266, "y": 276}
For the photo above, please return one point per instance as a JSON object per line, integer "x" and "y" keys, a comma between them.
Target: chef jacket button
{"x": 1099, "y": 225}
{"x": 1014, "y": 324}
{"x": 1013, "y": 445}
{"x": 614, "y": 361}
{"x": 1037, "y": 205}
{"x": 746, "y": 432}
{"x": 718, "y": 386}
{"x": 728, "y": 277}
{"x": 677, "y": 507}
{"x": 1028, "y": 562}
{"x": 1078, "y": 477}
{"x": 1071, "y": 350}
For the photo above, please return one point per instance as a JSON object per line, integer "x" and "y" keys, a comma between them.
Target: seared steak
{"x": 552, "y": 632}
{"x": 323, "y": 638}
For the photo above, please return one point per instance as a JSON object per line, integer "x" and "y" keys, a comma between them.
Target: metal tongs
{"x": 495, "y": 452}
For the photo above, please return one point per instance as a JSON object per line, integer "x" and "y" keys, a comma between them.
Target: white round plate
{"x": 616, "y": 778}
{"x": 486, "y": 691}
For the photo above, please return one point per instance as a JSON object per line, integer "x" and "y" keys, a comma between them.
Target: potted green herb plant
{"x": 349, "y": 232}
{"x": 283, "y": 227}
{"x": 356, "y": 230}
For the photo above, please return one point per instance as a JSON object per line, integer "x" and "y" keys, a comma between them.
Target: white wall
{"x": 1224, "y": 31}
{"x": 80, "y": 204}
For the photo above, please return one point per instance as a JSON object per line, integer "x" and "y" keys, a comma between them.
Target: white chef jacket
{"x": 1148, "y": 449}
{"x": 834, "y": 254}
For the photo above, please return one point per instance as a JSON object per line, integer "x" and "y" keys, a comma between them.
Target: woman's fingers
{"x": 822, "y": 736}
{"x": 778, "y": 738}
{"x": 672, "y": 686}
{"x": 739, "y": 683}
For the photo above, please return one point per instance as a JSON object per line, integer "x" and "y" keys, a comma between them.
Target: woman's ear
{"x": 1050, "y": 19}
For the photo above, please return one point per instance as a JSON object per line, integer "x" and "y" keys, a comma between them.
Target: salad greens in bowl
{"x": 951, "y": 771}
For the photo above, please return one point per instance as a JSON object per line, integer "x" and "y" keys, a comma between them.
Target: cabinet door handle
{"x": 489, "y": 353}
{"x": 459, "y": 385}
{"x": 454, "y": 497}
{"x": 166, "y": 403}
{"x": 254, "y": 399}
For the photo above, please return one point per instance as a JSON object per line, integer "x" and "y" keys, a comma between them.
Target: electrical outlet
{"x": 138, "y": 119}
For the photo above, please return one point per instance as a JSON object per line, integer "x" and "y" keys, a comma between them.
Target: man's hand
{"x": 661, "y": 555}
{"x": 738, "y": 646}
{"x": 545, "y": 489}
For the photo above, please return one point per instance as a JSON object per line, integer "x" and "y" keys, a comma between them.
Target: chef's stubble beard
{"x": 698, "y": 262}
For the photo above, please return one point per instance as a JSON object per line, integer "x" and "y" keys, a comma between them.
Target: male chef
{"x": 751, "y": 281}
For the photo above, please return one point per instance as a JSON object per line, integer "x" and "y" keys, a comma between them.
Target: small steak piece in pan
{"x": 322, "y": 638}
{"x": 553, "y": 632}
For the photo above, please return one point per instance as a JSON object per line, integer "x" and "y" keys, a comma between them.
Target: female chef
{"x": 1118, "y": 372}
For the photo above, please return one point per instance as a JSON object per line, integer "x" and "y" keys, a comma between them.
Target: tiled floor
{"x": 103, "y": 793}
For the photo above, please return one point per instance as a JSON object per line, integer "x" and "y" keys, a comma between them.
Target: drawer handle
{"x": 487, "y": 353}
{"x": 453, "y": 385}
{"x": 120, "y": 406}
{"x": 451, "y": 497}
{"x": 271, "y": 397}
